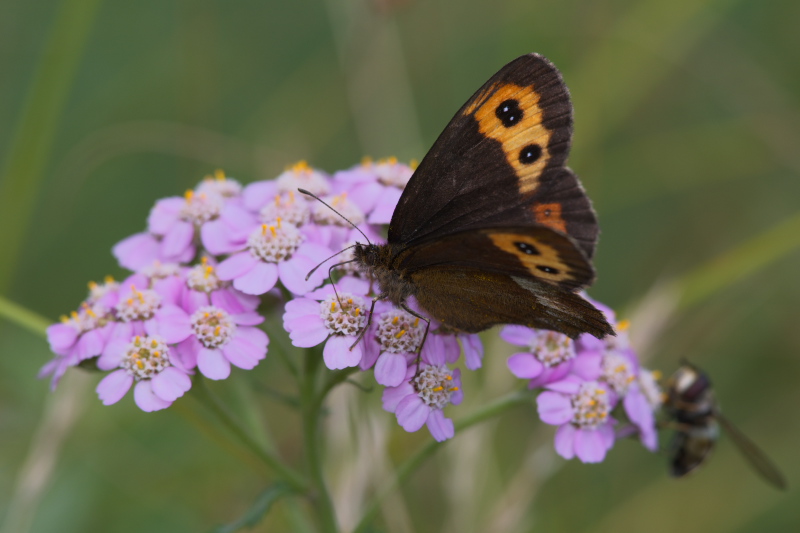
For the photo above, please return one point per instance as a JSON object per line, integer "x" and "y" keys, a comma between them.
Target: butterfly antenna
{"x": 312, "y": 195}
{"x": 328, "y": 259}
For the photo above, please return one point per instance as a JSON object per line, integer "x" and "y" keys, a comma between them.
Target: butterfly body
{"x": 492, "y": 228}
{"x": 377, "y": 261}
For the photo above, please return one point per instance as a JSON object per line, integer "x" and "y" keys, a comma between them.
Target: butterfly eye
{"x": 509, "y": 113}
{"x": 530, "y": 154}
{"x": 526, "y": 248}
{"x": 547, "y": 269}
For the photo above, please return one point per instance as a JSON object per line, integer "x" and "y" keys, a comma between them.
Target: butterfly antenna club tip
{"x": 320, "y": 200}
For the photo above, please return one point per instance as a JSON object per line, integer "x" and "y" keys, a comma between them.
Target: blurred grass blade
{"x": 260, "y": 507}
{"x": 413, "y": 462}
{"x": 34, "y": 476}
{"x": 740, "y": 262}
{"x": 29, "y": 151}
{"x": 25, "y": 318}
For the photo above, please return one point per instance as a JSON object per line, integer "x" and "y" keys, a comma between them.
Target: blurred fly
{"x": 695, "y": 416}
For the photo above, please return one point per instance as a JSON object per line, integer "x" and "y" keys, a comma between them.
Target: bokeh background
{"x": 687, "y": 138}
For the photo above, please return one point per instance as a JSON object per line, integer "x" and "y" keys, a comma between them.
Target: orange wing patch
{"x": 550, "y": 215}
{"x": 510, "y": 113}
{"x": 539, "y": 258}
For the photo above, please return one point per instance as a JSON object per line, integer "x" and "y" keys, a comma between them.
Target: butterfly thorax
{"x": 376, "y": 263}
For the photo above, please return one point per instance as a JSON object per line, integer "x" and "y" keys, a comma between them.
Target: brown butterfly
{"x": 492, "y": 228}
{"x": 694, "y": 414}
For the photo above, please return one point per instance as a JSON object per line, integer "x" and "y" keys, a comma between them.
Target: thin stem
{"x": 25, "y": 318}
{"x": 334, "y": 378}
{"x": 196, "y": 414}
{"x": 293, "y": 478}
{"x": 410, "y": 465}
{"x": 312, "y": 403}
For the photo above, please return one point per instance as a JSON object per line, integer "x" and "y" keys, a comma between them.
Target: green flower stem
{"x": 25, "y": 318}
{"x": 312, "y": 403}
{"x": 293, "y": 478}
{"x": 278, "y": 336}
{"x": 334, "y": 378}
{"x": 410, "y": 465}
{"x": 197, "y": 414}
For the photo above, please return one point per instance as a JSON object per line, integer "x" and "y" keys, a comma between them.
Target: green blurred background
{"x": 687, "y": 138}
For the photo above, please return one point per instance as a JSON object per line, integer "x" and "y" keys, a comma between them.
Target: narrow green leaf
{"x": 23, "y": 317}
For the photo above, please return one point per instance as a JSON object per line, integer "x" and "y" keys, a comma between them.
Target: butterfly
{"x": 492, "y": 228}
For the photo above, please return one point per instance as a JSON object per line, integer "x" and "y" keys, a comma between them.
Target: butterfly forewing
{"x": 500, "y": 163}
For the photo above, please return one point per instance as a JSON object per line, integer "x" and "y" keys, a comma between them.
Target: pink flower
{"x": 375, "y": 187}
{"x": 81, "y": 336}
{"x": 105, "y": 294}
{"x": 146, "y": 361}
{"x": 302, "y": 176}
{"x": 275, "y": 251}
{"x": 203, "y": 286}
{"x": 223, "y": 226}
{"x": 258, "y": 194}
{"x": 220, "y": 185}
{"x": 548, "y": 359}
{"x": 473, "y": 351}
{"x": 334, "y": 321}
{"x": 582, "y": 410}
{"x": 263, "y": 199}
{"x": 219, "y": 338}
{"x": 420, "y": 398}
{"x": 321, "y": 316}
{"x": 399, "y": 335}
{"x": 329, "y": 228}
{"x": 141, "y": 250}
{"x": 641, "y": 402}
{"x": 140, "y": 312}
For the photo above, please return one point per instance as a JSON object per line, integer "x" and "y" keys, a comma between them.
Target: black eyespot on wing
{"x": 509, "y": 113}
{"x": 527, "y": 248}
{"x": 530, "y": 154}
{"x": 547, "y": 269}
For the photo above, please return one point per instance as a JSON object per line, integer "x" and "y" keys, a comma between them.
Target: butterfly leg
{"x": 330, "y": 278}
{"x": 424, "y": 335}
{"x": 369, "y": 320}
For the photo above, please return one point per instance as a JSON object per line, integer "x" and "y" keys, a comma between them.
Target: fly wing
{"x": 754, "y": 455}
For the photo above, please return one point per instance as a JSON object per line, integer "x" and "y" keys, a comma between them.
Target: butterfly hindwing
{"x": 472, "y": 300}
{"x": 535, "y": 252}
{"x": 500, "y": 163}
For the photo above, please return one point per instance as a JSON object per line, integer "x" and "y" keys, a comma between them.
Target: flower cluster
{"x": 589, "y": 386}
{"x": 210, "y": 258}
